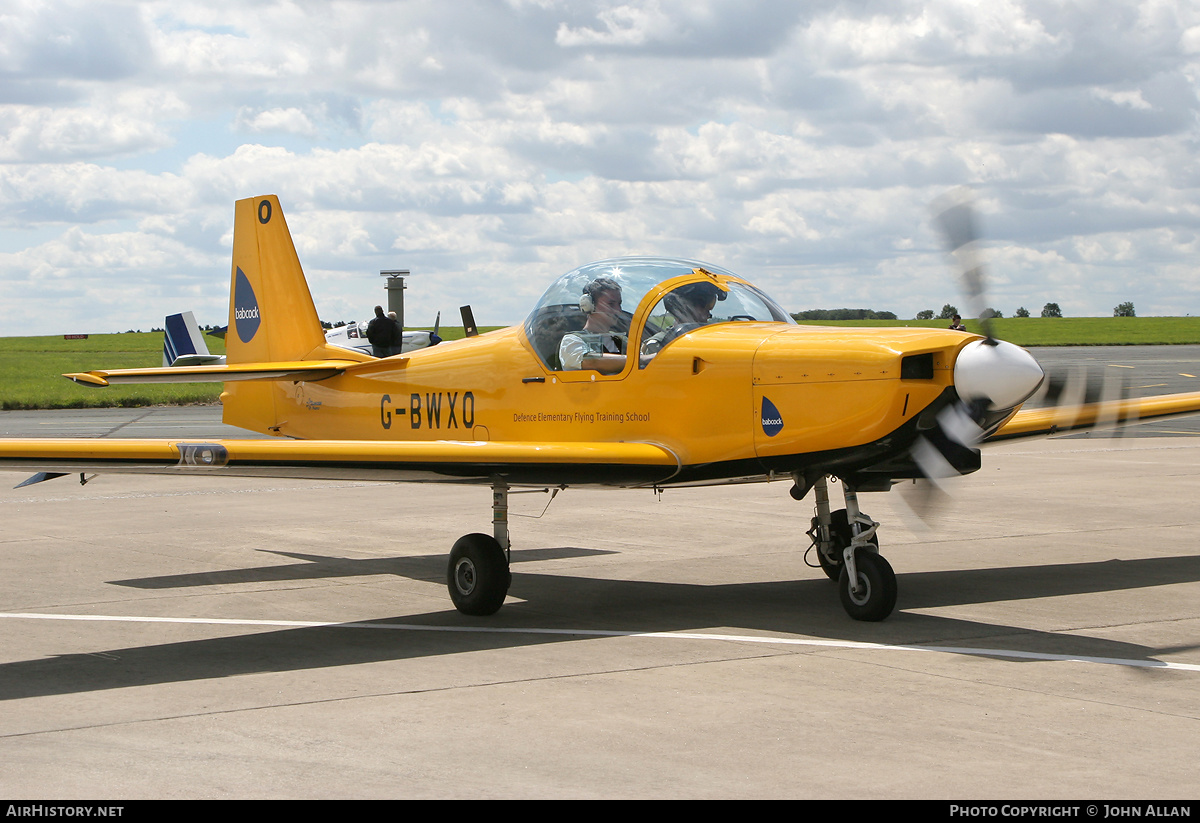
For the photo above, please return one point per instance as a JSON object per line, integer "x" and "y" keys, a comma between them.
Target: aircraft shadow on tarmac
{"x": 316, "y": 566}
{"x": 802, "y": 607}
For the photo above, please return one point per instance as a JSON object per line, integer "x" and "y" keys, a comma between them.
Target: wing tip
{"x": 87, "y": 379}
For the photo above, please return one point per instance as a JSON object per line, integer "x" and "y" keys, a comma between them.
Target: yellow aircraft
{"x": 633, "y": 373}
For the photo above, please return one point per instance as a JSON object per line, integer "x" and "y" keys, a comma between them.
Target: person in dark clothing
{"x": 397, "y": 346}
{"x": 381, "y": 332}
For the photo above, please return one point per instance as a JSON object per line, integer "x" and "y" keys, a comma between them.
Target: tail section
{"x": 274, "y": 343}
{"x": 272, "y": 318}
{"x": 271, "y": 313}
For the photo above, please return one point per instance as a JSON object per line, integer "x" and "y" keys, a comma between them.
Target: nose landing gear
{"x": 848, "y": 552}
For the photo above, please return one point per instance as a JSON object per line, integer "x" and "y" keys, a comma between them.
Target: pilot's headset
{"x": 587, "y": 303}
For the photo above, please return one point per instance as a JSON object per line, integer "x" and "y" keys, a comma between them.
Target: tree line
{"x": 1049, "y": 310}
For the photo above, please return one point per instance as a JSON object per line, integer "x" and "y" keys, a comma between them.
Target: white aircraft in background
{"x": 183, "y": 342}
{"x": 354, "y": 336}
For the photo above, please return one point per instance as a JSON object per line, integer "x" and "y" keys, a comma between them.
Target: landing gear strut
{"x": 848, "y": 552}
{"x": 478, "y": 574}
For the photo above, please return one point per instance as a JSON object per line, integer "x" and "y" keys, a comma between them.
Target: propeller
{"x": 954, "y": 213}
{"x": 991, "y": 376}
{"x": 1077, "y": 398}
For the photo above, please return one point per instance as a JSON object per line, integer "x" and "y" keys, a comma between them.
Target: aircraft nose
{"x": 1001, "y": 373}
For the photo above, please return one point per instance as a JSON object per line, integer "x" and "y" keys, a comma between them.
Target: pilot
{"x": 597, "y": 346}
{"x": 691, "y": 306}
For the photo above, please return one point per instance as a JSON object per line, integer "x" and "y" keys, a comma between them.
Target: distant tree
{"x": 925, "y": 314}
{"x": 990, "y": 312}
{"x": 843, "y": 314}
{"x": 1022, "y": 312}
{"x": 948, "y": 311}
{"x": 1051, "y": 310}
{"x": 1124, "y": 310}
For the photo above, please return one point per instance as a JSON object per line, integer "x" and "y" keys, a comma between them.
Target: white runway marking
{"x": 732, "y": 638}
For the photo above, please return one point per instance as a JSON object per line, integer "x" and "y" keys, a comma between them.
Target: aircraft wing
{"x": 1111, "y": 413}
{"x": 616, "y": 464}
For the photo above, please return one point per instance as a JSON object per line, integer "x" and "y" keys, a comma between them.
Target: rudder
{"x": 271, "y": 313}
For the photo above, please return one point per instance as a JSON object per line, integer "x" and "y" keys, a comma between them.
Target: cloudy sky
{"x": 491, "y": 145}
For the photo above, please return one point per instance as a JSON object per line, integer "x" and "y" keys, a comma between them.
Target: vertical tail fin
{"x": 271, "y": 313}
{"x": 183, "y": 343}
{"x": 272, "y": 318}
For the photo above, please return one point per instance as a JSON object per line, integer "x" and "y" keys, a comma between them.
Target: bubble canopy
{"x": 558, "y": 311}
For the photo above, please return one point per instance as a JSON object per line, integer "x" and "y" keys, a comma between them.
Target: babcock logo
{"x": 245, "y": 308}
{"x": 772, "y": 420}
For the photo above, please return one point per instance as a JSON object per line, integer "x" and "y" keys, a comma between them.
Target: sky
{"x": 491, "y": 145}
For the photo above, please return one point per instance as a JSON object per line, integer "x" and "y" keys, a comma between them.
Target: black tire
{"x": 878, "y": 596}
{"x": 478, "y": 575}
{"x": 840, "y": 531}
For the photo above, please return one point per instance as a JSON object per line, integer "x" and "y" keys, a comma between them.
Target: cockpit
{"x": 600, "y": 314}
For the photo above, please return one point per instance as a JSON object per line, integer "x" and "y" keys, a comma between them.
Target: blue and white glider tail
{"x": 183, "y": 343}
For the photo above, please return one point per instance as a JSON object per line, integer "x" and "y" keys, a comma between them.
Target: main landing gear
{"x": 848, "y": 552}
{"x": 847, "y": 549}
{"x": 478, "y": 575}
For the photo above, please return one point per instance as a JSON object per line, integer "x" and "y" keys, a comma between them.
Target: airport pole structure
{"x": 395, "y": 292}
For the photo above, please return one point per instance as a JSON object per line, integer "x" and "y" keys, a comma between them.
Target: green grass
{"x": 31, "y": 368}
{"x": 1065, "y": 331}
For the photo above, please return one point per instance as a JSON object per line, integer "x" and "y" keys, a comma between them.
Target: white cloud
{"x": 491, "y": 146}
{"x": 290, "y": 120}
{"x": 34, "y": 134}
{"x": 624, "y": 25}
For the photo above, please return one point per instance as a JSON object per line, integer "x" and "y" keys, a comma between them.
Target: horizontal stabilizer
{"x": 294, "y": 370}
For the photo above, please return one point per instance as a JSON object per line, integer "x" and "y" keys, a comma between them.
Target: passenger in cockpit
{"x": 598, "y": 345}
{"x": 690, "y": 306}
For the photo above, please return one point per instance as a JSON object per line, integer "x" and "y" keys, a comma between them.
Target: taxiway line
{"x": 735, "y": 638}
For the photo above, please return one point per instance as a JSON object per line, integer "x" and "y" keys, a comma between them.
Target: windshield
{"x": 612, "y": 290}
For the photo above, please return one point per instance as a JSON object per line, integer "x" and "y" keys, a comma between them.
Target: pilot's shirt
{"x": 577, "y": 345}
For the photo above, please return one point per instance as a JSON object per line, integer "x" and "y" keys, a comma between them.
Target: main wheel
{"x": 840, "y": 531}
{"x": 478, "y": 576}
{"x": 876, "y": 596}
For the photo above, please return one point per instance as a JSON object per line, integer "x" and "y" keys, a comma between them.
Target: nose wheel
{"x": 847, "y": 551}
{"x": 873, "y": 596}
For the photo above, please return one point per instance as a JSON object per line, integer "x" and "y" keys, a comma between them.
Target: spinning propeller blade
{"x": 991, "y": 377}
{"x": 1086, "y": 398}
{"x": 954, "y": 213}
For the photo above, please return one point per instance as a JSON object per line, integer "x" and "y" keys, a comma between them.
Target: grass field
{"x": 1065, "y": 331}
{"x": 31, "y": 370}
{"x": 31, "y": 367}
